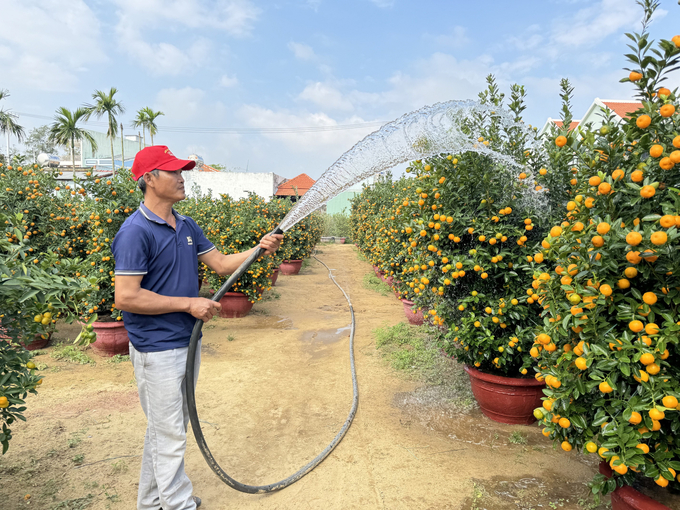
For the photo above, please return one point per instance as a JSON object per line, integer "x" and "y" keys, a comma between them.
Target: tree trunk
{"x": 122, "y": 145}
{"x": 113, "y": 163}
{"x": 151, "y": 134}
{"x": 73, "y": 160}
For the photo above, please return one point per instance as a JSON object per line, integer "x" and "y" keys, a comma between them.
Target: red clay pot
{"x": 38, "y": 342}
{"x": 290, "y": 267}
{"x": 627, "y": 498}
{"x": 339, "y": 240}
{"x": 506, "y": 399}
{"x": 414, "y": 317}
{"x": 235, "y": 305}
{"x": 112, "y": 338}
{"x": 274, "y": 276}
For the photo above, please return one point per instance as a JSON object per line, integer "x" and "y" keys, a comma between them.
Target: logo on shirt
{"x": 189, "y": 240}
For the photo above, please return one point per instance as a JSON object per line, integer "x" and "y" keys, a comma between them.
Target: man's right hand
{"x": 204, "y": 309}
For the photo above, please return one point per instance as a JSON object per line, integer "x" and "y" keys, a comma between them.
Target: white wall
{"x": 235, "y": 184}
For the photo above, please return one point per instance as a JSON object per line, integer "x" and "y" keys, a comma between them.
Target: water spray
{"x": 430, "y": 131}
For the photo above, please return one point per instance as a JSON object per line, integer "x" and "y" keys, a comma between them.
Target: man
{"x": 157, "y": 252}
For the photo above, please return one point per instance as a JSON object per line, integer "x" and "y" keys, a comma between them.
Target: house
{"x": 297, "y": 186}
{"x": 209, "y": 180}
{"x": 621, "y": 108}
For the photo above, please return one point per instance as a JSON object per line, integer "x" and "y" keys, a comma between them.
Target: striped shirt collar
{"x": 151, "y": 216}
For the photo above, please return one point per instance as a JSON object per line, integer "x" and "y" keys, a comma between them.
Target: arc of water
{"x": 432, "y": 130}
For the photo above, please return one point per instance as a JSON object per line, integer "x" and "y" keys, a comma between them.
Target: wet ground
{"x": 273, "y": 391}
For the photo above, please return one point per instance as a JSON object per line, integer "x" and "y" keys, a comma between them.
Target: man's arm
{"x": 130, "y": 297}
{"x": 228, "y": 264}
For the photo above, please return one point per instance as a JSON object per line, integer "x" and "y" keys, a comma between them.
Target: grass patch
{"x": 517, "y": 438}
{"x": 408, "y": 348}
{"x": 305, "y": 263}
{"x": 119, "y": 358}
{"x": 72, "y": 354}
{"x": 271, "y": 295}
{"x": 74, "y": 504}
{"x": 372, "y": 282}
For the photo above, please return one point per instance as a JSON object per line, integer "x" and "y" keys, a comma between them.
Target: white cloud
{"x": 140, "y": 21}
{"x": 188, "y": 106}
{"x": 228, "y": 81}
{"x": 326, "y": 96}
{"x": 302, "y": 51}
{"x": 594, "y": 23}
{"x": 456, "y": 38}
{"x": 46, "y": 44}
{"x": 236, "y": 17}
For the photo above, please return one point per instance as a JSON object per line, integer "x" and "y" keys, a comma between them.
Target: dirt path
{"x": 274, "y": 389}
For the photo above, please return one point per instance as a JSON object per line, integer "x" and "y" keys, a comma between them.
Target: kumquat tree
{"x": 611, "y": 289}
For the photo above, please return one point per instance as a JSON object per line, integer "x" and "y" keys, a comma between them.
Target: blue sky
{"x": 308, "y": 63}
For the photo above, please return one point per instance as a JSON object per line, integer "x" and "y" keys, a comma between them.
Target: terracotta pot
{"x": 414, "y": 317}
{"x": 376, "y": 270}
{"x": 235, "y": 305}
{"x": 38, "y": 342}
{"x": 627, "y": 498}
{"x": 290, "y": 267}
{"x": 274, "y": 276}
{"x": 112, "y": 338}
{"x": 389, "y": 280}
{"x": 506, "y": 399}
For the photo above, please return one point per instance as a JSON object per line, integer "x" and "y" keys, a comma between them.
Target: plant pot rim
{"x": 108, "y": 324}
{"x": 293, "y": 260}
{"x": 631, "y": 496}
{"x": 500, "y": 379}
{"x": 233, "y": 293}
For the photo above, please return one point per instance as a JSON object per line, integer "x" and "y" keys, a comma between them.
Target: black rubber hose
{"x": 191, "y": 397}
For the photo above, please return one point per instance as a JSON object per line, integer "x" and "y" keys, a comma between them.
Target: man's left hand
{"x": 271, "y": 242}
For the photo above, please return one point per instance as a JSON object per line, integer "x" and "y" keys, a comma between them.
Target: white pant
{"x": 162, "y": 393}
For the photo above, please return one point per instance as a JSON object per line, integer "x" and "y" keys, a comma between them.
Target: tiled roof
{"x": 622, "y": 108}
{"x": 301, "y": 183}
{"x": 572, "y": 125}
{"x": 207, "y": 168}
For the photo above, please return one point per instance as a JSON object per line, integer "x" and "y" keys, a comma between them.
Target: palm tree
{"x": 106, "y": 104}
{"x": 7, "y": 124}
{"x": 65, "y": 130}
{"x": 142, "y": 119}
{"x": 151, "y": 117}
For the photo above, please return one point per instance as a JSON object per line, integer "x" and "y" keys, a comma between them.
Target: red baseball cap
{"x": 158, "y": 157}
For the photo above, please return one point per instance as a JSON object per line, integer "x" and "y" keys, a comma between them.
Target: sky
{"x": 314, "y": 64}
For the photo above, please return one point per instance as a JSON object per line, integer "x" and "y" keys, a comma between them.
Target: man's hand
{"x": 204, "y": 309}
{"x": 271, "y": 242}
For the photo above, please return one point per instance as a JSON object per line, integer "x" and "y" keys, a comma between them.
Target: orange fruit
{"x": 643, "y": 447}
{"x": 604, "y": 227}
{"x": 598, "y": 241}
{"x": 656, "y": 414}
{"x": 634, "y": 76}
{"x": 635, "y": 418}
{"x": 605, "y": 387}
{"x": 606, "y": 290}
{"x": 623, "y": 283}
{"x": 667, "y": 110}
{"x": 656, "y": 150}
{"x": 636, "y": 326}
{"x": 604, "y": 188}
{"x": 594, "y": 180}
{"x": 649, "y": 298}
{"x": 561, "y": 141}
{"x": 634, "y": 238}
{"x": 676, "y": 40}
{"x": 647, "y": 191}
{"x": 643, "y": 121}
{"x": 581, "y": 363}
{"x": 675, "y": 157}
{"x": 618, "y": 174}
{"x": 591, "y": 447}
{"x": 670, "y": 401}
{"x": 659, "y": 238}
{"x": 566, "y": 446}
{"x": 633, "y": 257}
{"x": 652, "y": 329}
{"x": 647, "y": 358}
{"x": 666, "y": 163}
{"x": 637, "y": 176}
{"x": 630, "y": 272}
{"x": 667, "y": 220}
{"x": 663, "y": 91}
{"x": 564, "y": 423}
{"x": 661, "y": 481}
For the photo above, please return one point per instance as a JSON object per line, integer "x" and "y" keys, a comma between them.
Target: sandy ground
{"x": 273, "y": 391}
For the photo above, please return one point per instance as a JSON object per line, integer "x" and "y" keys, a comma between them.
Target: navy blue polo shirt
{"x": 168, "y": 260}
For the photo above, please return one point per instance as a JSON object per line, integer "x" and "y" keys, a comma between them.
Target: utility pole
{"x": 140, "y": 140}
{"x": 122, "y": 145}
